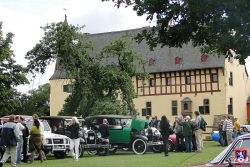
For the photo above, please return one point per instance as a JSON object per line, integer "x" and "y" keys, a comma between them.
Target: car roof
{"x": 110, "y": 116}
{"x": 59, "y": 117}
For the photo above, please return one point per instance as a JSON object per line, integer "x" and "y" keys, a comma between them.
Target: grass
{"x": 128, "y": 159}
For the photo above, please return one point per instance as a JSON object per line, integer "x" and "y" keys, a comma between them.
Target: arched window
{"x": 185, "y": 107}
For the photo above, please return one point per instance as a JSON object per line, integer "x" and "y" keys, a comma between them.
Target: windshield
{"x": 45, "y": 124}
{"x": 219, "y": 157}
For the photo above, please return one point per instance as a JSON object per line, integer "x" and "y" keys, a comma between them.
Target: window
{"x": 151, "y": 82}
{"x": 185, "y": 106}
{"x": 174, "y": 107}
{"x": 68, "y": 88}
{"x": 188, "y": 80}
{"x": 148, "y": 110}
{"x": 214, "y": 77}
{"x": 231, "y": 79}
{"x": 168, "y": 81}
{"x": 230, "y": 106}
{"x": 205, "y": 109}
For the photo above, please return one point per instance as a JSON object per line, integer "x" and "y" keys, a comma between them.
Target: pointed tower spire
{"x": 65, "y": 16}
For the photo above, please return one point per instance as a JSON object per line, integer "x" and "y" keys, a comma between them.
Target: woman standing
{"x": 74, "y": 129}
{"x": 35, "y": 141}
{"x": 164, "y": 127}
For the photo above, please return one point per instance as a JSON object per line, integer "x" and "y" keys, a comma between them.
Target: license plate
{"x": 59, "y": 147}
{"x": 91, "y": 138}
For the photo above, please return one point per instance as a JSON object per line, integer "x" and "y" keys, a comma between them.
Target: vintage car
{"x": 236, "y": 154}
{"x": 128, "y": 132}
{"x": 91, "y": 140}
{"x": 53, "y": 143}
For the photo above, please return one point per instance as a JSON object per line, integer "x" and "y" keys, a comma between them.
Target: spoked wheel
{"x": 103, "y": 151}
{"x": 139, "y": 146}
{"x": 81, "y": 150}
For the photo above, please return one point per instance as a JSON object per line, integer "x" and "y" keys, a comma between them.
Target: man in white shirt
{"x": 20, "y": 142}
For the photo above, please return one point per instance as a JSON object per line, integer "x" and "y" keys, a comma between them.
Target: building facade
{"x": 181, "y": 81}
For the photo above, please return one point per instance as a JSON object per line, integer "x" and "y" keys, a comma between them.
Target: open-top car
{"x": 236, "y": 154}
{"x": 128, "y": 132}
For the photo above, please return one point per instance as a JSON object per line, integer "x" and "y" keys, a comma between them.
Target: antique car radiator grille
{"x": 58, "y": 141}
{"x": 91, "y": 138}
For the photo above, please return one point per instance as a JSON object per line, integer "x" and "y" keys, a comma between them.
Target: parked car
{"x": 127, "y": 132}
{"x": 53, "y": 143}
{"x": 236, "y": 154}
{"x": 91, "y": 140}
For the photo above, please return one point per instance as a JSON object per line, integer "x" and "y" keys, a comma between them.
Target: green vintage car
{"x": 126, "y": 132}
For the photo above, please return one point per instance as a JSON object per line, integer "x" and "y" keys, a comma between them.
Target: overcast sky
{"x": 24, "y": 18}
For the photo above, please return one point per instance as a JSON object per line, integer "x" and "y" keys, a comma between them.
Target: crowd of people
{"x": 14, "y": 137}
{"x": 188, "y": 132}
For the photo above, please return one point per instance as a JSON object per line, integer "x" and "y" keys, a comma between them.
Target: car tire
{"x": 171, "y": 146}
{"x": 103, "y": 151}
{"x": 81, "y": 150}
{"x": 112, "y": 150}
{"x": 157, "y": 149}
{"x": 92, "y": 152}
{"x": 139, "y": 146}
{"x": 60, "y": 155}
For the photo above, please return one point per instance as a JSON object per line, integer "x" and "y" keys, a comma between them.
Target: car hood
{"x": 50, "y": 134}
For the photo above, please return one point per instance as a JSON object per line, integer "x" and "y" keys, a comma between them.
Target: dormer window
{"x": 177, "y": 60}
{"x": 203, "y": 58}
{"x": 151, "y": 62}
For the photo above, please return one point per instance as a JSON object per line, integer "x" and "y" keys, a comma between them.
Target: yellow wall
{"x": 57, "y": 96}
{"x": 161, "y": 104}
{"x": 240, "y": 89}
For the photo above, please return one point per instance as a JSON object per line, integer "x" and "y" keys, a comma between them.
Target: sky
{"x": 25, "y": 17}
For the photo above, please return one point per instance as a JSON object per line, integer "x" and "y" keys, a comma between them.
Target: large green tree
{"x": 98, "y": 88}
{"x": 36, "y": 101}
{"x": 11, "y": 75}
{"x": 217, "y": 25}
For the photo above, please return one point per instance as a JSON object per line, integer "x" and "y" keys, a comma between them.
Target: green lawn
{"x": 128, "y": 159}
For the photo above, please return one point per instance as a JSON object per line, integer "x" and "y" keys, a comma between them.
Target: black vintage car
{"x": 91, "y": 140}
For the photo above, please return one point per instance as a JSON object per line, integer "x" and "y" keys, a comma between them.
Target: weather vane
{"x": 65, "y": 11}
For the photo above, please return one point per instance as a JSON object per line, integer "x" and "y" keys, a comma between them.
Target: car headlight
{"x": 85, "y": 135}
{"x": 99, "y": 135}
{"x": 48, "y": 141}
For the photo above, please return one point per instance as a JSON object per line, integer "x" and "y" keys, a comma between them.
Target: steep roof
{"x": 161, "y": 59}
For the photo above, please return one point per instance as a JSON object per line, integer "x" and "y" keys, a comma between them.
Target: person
{"x": 104, "y": 130}
{"x": 178, "y": 129}
{"x": 236, "y": 127}
{"x": 187, "y": 133}
{"x": 194, "y": 145}
{"x": 10, "y": 137}
{"x": 20, "y": 142}
{"x": 165, "y": 132}
{"x": 25, "y": 140}
{"x": 36, "y": 117}
{"x": 198, "y": 131}
{"x": 155, "y": 122}
{"x": 35, "y": 141}
{"x": 224, "y": 131}
{"x": 229, "y": 130}
{"x": 74, "y": 129}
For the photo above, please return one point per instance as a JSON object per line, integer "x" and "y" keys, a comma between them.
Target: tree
{"x": 37, "y": 101}
{"x": 95, "y": 85}
{"x": 11, "y": 75}
{"x": 216, "y": 25}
